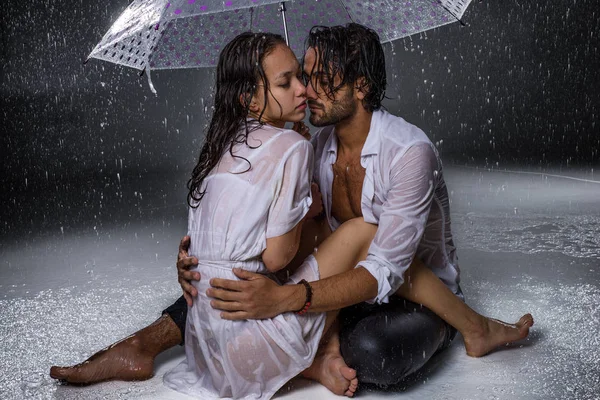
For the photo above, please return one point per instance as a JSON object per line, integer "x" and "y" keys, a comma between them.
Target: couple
{"x": 382, "y": 253}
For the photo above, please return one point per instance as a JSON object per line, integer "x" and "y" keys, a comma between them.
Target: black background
{"x": 516, "y": 87}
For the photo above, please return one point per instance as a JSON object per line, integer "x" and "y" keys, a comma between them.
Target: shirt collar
{"x": 371, "y": 146}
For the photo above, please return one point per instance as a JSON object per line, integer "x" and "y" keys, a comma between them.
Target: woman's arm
{"x": 281, "y": 250}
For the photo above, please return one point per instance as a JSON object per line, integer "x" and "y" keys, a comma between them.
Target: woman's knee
{"x": 359, "y": 223}
{"x": 361, "y": 232}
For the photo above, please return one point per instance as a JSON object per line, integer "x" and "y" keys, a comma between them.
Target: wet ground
{"x": 95, "y": 262}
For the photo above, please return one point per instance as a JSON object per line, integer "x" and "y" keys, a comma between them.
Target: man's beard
{"x": 339, "y": 111}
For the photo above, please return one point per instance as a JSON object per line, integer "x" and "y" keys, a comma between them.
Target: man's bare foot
{"x": 330, "y": 370}
{"x": 131, "y": 359}
{"x": 493, "y": 333}
{"x": 124, "y": 360}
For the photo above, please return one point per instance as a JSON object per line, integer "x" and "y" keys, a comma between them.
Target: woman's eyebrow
{"x": 285, "y": 74}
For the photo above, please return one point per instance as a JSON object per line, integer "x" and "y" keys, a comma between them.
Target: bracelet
{"x": 306, "y": 306}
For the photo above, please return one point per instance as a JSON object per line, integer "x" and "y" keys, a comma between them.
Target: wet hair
{"x": 353, "y": 51}
{"x": 239, "y": 72}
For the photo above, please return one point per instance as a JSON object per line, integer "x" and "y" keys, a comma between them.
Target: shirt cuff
{"x": 387, "y": 281}
{"x": 294, "y": 217}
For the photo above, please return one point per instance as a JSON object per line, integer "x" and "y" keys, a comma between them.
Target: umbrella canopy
{"x": 168, "y": 34}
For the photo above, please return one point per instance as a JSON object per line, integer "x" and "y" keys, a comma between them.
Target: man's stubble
{"x": 340, "y": 110}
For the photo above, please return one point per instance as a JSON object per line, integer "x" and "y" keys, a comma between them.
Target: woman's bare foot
{"x": 330, "y": 370}
{"x": 493, "y": 333}
{"x": 124, "y": 360}
{"x": 131, "y": 359}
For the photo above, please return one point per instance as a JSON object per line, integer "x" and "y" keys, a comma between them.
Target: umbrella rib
{"x": 346, "y": 9}
{"x": 147, "y": 64}
{"x": 453, "y": 13}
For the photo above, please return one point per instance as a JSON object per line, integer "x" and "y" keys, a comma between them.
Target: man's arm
{"x": 403, "y": 218}
{"x": 258, "y": 297}
{"x": 401, "y": 226}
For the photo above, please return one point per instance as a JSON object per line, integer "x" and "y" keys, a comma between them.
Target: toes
{"x": 59, "y": 372}
{"x": 530, "y": 319}
{"x": 525, "y": 322}
{"x": 348, "y": 373}
{"x": 526, "y": 319}
{"x": 352, "y": 388}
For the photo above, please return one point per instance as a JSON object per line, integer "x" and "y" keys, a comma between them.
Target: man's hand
{"x": 254, "y": 297}
{"x": 184, "y": 275}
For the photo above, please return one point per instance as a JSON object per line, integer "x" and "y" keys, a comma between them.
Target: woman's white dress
{"x": 245, "y": 203}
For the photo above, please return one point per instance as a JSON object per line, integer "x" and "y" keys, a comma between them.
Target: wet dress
{"x": 262, "y": 192}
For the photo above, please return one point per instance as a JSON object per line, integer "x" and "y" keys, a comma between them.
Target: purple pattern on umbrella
{"x": 191, "y": 26}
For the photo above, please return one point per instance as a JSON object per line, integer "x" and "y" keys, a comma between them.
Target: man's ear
{"x": 361, "y": 88}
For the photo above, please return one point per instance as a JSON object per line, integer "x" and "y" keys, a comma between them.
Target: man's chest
{"x": 348, "y": 177}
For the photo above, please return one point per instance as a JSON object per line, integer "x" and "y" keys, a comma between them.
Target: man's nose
{"x": 310, "y": 91}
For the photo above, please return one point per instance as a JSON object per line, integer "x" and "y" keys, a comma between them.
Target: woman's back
{"x": 245, "y": 203}
{"x": 259, "y": 192}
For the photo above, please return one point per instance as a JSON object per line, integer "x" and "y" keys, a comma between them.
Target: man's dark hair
{"x": 353, "y": 51}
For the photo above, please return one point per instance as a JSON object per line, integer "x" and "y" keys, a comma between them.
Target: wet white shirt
{"x": 404, "y": 193}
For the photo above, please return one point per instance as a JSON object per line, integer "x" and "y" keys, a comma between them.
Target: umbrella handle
{"x": 285, "y": 31}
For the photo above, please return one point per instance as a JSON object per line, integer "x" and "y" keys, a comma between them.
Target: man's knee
{"x": 378, "y": 355}
{"x": 178, "y": 313}
{"x": 386, "y": 346}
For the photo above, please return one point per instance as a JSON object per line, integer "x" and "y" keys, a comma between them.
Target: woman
{"x": 249, "y": 195}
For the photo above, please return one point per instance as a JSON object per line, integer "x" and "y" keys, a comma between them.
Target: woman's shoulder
{"x": 279, "y": 140}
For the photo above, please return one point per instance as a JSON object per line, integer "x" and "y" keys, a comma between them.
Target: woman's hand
{"x": 302, "y": 129}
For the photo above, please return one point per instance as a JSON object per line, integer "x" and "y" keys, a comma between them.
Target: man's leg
{"x": 131, "y": 358}
{"x": 386, "y": 343}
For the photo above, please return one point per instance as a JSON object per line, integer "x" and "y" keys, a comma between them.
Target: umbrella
{"x": 168, "y": 34}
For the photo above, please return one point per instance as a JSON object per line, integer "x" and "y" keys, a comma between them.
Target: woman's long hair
{"x": 239, "y": 71}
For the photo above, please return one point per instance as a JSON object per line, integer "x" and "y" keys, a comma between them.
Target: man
{"x": 368, "y": 164}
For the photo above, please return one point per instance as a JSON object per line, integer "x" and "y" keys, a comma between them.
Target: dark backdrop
{"x": 517, "y": 86}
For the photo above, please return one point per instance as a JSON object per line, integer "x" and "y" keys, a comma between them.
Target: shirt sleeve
{"x": 292, "y": 196}
{"x": 403, "y": 218}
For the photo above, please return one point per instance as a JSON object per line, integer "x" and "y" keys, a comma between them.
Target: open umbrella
{"x": 168, "y": 34}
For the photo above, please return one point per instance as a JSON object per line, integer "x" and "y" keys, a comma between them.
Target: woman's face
{"x": 286, "y": 99}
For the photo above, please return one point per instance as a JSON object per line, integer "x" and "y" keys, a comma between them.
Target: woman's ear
{"x": 245, "y": 98}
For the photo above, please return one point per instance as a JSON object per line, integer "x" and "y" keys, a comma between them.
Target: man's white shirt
{"x": 404, "y": 193}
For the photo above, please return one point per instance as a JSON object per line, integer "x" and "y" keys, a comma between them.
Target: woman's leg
{"x": 481, "y": 334}
{"x": 349, "y": 244}
{"x": 340, "y": 251}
